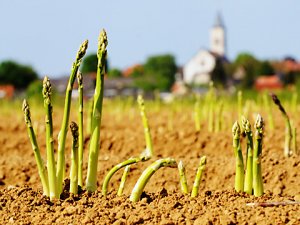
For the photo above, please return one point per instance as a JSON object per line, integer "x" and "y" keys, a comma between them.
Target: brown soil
{"x": 22, "y": 202}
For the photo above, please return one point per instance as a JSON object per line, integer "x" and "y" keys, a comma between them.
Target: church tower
{"x": 218, "y": 37}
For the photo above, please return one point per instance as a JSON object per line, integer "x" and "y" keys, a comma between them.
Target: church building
{"x": 199, "y": 69}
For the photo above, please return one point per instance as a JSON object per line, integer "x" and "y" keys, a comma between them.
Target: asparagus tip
{"x": 246, "y": 124}
{"x": 82, "y": 49}
{"x": 26, "y": 110}
{"x": 102, "y": 41}
{"x": 259, "y": 123}
{"x": 203, "y": 160}
{"x": 74, "y": 129}
{"x": 180, "y": 165}
{"x": 236, "y": 130}
{"x": 47, "y": 89}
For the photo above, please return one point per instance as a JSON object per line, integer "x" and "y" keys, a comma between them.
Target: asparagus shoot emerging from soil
{"x": 91, "y": 181}
{"x": 49, "y": 139}
{"x": 295, "y": 147}
{"x": 288, "y": 128}
{"x": 80, "y": 129}
{"x": 199, "y": 173}
{"x": 146, "y": 175}
{"x": 123, "y": 180}
{"x": 36, "y": 150}
{"x": 257, "y": 152}
{"x": 183, "y": 181}
{"x": 115, "y": 169}
{"x": 248, "y": 187}
{"x": 74, "y": 157}
{"x": 148, "y": 153}
{"x": 239, "y": 164}
{"x": 64, "y": 128}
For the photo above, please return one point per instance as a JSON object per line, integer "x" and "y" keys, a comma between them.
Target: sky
{"x": 46, "y": 34}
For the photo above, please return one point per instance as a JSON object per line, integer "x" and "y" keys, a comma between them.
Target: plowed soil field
{"x": 22, "y": 202}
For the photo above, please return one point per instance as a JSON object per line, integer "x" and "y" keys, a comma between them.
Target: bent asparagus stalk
{"x": 114, "y": 170}
{"x": 147, "y": 174}
{"x": 36, "y": 150}
{"x": 288, "y": 128}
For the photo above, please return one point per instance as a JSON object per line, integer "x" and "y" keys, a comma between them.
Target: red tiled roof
{"x": 7, "y": 91}
{"x": 268, "y": 82}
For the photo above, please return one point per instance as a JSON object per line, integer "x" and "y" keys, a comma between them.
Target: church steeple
{"x": 219, "y": 20}
{"x": 218, "y": 37}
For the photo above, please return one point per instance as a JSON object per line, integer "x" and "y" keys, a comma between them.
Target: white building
{"x": 198, "y": 70}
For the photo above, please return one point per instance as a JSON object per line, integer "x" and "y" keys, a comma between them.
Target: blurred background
{"x": 173, "y": 47}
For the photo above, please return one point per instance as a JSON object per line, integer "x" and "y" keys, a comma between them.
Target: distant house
{"x": 122, "y": 86}
{"x": 268, "y": 83}
{"x": 198, "y": 69}
{"x": 7, "y": 91}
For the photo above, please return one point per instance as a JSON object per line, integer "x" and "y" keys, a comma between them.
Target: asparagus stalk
{"x": 49, "y": 139}
{"x": 183, "y": 181}
{"x": 295, "y": 146}
{"x": 199, "y": 173}
{"x": 248, "y": 187}
{"x": 219, "y": 119}
{"x": 288, "y": 128}
{"x": 239, "y": 164}
{"x": 197, "y": 115}
{"x": 211, "y": 104}
{"x": 123, "y": 180}
{"x": 80, "y": 129}
{"x": 114, "y": 170}
{"x": 148, "y": 153}
{"x": 269, "y": 110}
{"x": 240, "y": 104}
{"x": 89, "y": 117}
{"x": 74, "y": 156}
{"x": 257, "y": 173}
{"x": 91, "y": 181}
{"x": 64, "y": 128}
{"x": 146, "y": 175}
{"x": 36, "y": 150}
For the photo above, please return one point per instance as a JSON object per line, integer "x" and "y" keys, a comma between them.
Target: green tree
{"x": 90, "y": 62}
{"x": 114, "y": 73}
{"x": 159, "y": 73}
{"x": 16, "y": 74}
{"x": 251, "y": 66}
{"x": 265, "y": 68}
{"x": 219, "y": 76}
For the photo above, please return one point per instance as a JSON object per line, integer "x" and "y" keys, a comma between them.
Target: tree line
{"x": 158, "y": 72}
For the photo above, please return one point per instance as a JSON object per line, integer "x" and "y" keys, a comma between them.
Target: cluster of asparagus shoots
{"x": 53, "y": 175}
{"x": 213, "y": 110}
{"x": 250, "y": 182}
{"x": 289, "y": 137}
{"x": 147, "y": 154}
